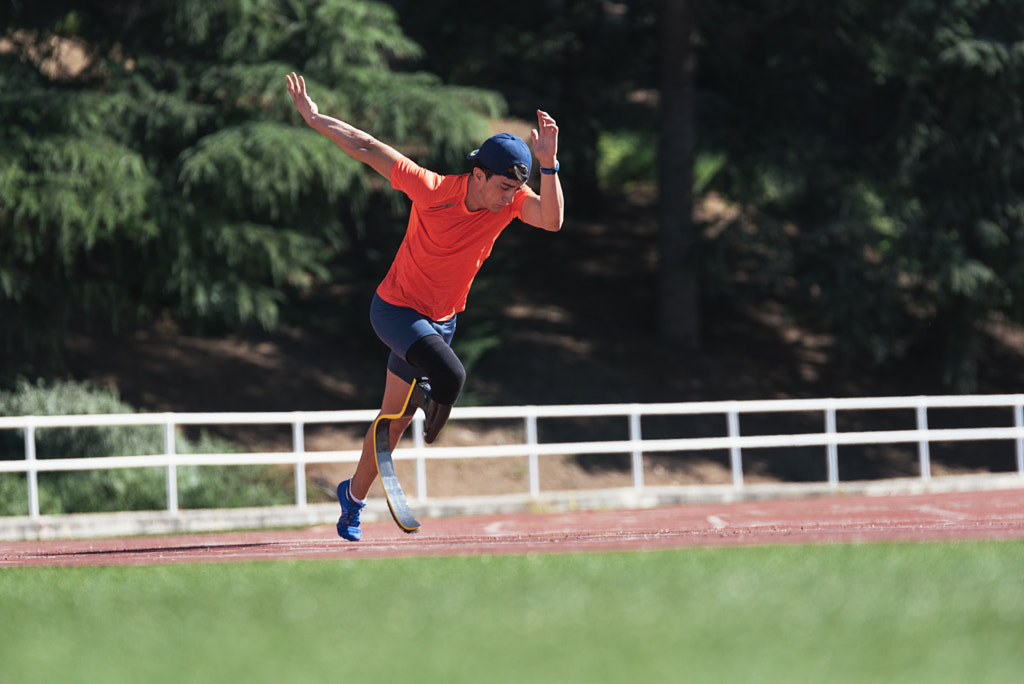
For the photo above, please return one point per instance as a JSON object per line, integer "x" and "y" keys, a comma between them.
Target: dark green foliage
{"x": 168, "y": 172}
{"x": 878, "y": 145}
{"x": 874, "y": 148}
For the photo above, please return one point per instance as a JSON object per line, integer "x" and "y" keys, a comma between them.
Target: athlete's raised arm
{"x": 548, "y": 211}
{"x": 355, "y": 143}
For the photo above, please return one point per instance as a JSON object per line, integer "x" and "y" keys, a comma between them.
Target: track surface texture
{"x": 992, "y": 515}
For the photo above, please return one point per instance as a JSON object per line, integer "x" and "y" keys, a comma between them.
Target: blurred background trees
{"x": 869, "y": 152}
{"x": 152, "y": 161}
{"x": 876, "y": 147}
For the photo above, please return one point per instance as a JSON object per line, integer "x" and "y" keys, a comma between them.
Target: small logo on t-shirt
{"x": 444, "y": 206}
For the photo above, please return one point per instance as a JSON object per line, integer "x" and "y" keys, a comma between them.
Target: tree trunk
{"x": 679, "y": 319}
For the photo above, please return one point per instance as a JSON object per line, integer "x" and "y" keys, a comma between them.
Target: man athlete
{"x": 452, "y": 227}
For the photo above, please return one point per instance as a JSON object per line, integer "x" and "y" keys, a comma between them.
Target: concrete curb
{"x": 127, "y": 524}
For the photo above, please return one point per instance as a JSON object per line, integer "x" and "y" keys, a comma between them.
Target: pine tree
{"x": 165, "y": 169}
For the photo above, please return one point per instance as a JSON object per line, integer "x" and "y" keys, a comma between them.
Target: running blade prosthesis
{"x": 397, "y": 503}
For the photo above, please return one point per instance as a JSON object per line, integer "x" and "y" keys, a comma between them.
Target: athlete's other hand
{"x": 545, "y": 140}
{"x": 302, "y": 101}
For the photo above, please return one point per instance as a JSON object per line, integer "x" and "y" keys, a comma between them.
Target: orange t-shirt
{"x": 445, "y": 244}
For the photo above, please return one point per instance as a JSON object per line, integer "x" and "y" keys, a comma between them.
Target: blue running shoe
{"x": 348, "y": 523}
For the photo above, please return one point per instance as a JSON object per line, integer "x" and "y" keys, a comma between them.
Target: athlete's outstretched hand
{"x": 545, "y": 140}
{"x": 302, "y": 101}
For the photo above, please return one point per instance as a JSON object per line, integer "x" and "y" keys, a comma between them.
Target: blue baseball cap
{"x": 501, "y": 151}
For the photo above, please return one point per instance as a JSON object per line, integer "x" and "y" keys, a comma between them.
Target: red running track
{"x": 991, "y": 515}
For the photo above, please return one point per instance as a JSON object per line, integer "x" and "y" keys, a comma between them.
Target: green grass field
{"x": 831, "y": 613}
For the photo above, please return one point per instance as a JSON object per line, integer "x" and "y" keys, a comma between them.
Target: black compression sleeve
{"x": 443, "y": 369}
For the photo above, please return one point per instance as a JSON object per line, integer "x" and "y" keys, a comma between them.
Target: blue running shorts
{"x": 399, "y": 327}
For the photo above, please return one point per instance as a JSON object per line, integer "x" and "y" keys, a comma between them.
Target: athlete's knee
{"x": 443, "y": 369}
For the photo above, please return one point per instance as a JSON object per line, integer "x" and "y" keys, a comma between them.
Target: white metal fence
{"x": 829, "y": 438}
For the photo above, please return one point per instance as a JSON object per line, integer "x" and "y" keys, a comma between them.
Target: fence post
{"x": 735, "y": 458}
{"x": 922, "y": 446}
{"x": 419, "y": 444}
{"x": 299, "y": 447}
{"x": 638, "y": 454}
{"x": 1018, "y": 421}
{"x": 172, "y": 470}
{"x": 33, "y": 474}
{"x": 531, "y": 440}
{"x": 833, "y": 448}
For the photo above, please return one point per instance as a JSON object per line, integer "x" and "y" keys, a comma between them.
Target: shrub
{"x": 128, "y": 489}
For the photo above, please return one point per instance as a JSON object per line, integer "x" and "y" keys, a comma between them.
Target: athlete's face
{"x": 496, "y": 192}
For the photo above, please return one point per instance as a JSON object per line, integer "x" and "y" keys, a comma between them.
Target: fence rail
{"x": 830, "y": 438}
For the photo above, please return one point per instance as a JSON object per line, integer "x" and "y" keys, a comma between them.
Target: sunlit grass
{"x": 859, "y": 613}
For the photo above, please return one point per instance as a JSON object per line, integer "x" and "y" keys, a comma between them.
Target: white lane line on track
{"x": 942, "y": 513}
{"x": 494, "y": 528}
{"x": 717, "y": 522}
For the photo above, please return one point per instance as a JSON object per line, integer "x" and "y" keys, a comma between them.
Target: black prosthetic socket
{"x": 436, "y": 418}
